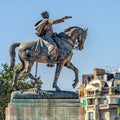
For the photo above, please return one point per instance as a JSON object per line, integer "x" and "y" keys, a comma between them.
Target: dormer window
{"x": 118, "y": 87}
{"x": 117, "y": 76}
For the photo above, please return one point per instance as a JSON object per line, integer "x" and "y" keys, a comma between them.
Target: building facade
{"x": 100, "y": 95}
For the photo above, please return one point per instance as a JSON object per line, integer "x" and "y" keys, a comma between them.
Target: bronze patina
{"x": 39, "y": 51}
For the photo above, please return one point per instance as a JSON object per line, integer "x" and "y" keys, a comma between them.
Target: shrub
{"x": 6, "y": 88}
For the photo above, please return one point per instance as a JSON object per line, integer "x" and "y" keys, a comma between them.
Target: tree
{"x": 6, "y": 88}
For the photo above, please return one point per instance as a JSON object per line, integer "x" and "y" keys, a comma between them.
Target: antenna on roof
{"x": 109, "y": 68}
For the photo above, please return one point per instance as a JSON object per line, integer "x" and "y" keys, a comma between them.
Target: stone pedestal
{"x": 43, "y": 109}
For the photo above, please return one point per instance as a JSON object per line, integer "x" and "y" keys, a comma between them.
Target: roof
{"x": 96, "y": 81}
{"x": 90, "y": 87}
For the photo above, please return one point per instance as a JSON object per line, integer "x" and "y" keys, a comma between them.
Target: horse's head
{"x": 81, "y": 39}
{"x": 77, "y": 35}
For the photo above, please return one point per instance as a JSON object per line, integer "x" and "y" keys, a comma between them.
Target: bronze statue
{"x": 44, "y": 30}
{"x": 37, "y": 51}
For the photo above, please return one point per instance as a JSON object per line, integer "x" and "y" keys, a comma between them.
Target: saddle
{"x": 41, "y": 48}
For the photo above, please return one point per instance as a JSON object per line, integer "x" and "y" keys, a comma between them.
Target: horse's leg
{"x": 16, "y": 74}
{"x": 28, "y": 66}
{"x": 57, "y": 74}
{"x": 59, "y": 68}
{"x": 72, "y": 67}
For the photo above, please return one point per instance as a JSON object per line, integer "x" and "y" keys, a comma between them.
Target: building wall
{"x": 103, "y": 103}
{"x": 86, "y": 78}
{"x": 108, "y": 114}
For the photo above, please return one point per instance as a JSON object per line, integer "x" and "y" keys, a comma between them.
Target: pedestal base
{"x": 43, "y": 109}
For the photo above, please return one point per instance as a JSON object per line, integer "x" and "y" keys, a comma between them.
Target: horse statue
{"x": 34, "y": 51}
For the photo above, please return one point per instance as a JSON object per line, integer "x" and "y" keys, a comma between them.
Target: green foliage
{"x": 6, "y": 88}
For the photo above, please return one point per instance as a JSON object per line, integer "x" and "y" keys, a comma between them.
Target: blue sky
{"x": 102, "y": 46}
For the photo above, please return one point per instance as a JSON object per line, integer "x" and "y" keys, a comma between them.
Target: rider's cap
{"x": 44, "y": 13}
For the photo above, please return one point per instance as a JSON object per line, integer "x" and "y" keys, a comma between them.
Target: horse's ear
{"x": 86, "y": 29}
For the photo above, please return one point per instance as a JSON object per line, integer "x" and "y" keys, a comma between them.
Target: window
{"x": 100, "y": 77}
{"x": 90, "y": 116}
{"x": 90, "y": 93}
{"x": 118, "y": 88}
{"x": 117, "y": 76}
{"x": 118, "y": 100}
{"x": 91, "y": 101}
{"x": 104, "y": 116}
{"x": 104, "y": 101}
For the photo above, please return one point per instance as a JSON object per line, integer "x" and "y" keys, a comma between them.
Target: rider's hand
{"x": 67, "y": 17}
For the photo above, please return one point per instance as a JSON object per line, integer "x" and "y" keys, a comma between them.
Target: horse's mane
{"x": 68, "y": 29}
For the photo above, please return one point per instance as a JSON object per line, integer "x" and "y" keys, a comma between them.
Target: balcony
{"x": 103, "y": 106}
{"x": 90, "y": 107}
{"x": 108, "y": 106}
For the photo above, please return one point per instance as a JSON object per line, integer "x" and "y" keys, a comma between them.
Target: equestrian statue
{"x": 51, "y": 48}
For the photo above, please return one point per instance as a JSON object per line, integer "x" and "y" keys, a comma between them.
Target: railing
{"x": 99, "y": 93}
{"x": 108, "y": 106}
{"x": 90, "y": 107}
{"x": 103, "y": 106}
{"x": 106, "y": 91}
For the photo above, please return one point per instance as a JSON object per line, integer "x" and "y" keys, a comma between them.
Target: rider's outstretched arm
{"x": 60, "y": 20}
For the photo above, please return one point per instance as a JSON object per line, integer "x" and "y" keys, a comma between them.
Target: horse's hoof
{"x": 38, "y": 87}
{"x": 75, "y": 83}
{"x": 42, "y": 92}
{"x": 57, "y": 89}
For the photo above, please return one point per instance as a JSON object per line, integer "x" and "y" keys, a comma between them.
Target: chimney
{"x": 86, "y": 78}
{"x": 98, "y": 71}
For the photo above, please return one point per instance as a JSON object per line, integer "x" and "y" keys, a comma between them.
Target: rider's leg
{"x": 52, "y": 56}
{"x": 52, "y": 50}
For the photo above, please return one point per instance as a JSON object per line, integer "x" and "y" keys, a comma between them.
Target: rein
{"x": 71, "y": 31}
{"x": 69, "y": 41}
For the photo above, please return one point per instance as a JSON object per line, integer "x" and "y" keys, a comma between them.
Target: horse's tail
{"x": 12, "y": 54}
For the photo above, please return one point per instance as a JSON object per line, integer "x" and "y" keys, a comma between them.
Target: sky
{"x": 102, "y": 45}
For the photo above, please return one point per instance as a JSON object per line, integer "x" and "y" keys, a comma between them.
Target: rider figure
{"x": 44, "y": 29}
